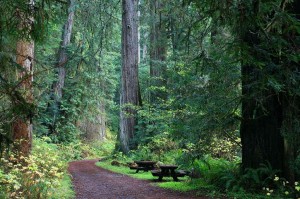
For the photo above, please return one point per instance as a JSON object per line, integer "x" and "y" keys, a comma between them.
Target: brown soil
{"x": 93, "y": 182}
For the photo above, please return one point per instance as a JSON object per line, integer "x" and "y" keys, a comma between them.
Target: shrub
{"x": 228, "y": 176}
{"x": 160, "y": 148}
{"x": 35, "y": 176}
{"x": 77, "y": 150}
{"x": 142, "y": 153}
{"x": 296, "y": 165}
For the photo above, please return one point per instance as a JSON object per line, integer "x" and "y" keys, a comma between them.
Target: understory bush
{"x": 78, "y": 150}
{"x": 213, "y": 170}
{"x": 296, "y": 164}
{"x": 43, "y": 174}
{"x": 35, "y": 176}
{"x": 144, "y": 153}
{"x": 161, "y": 148}
{"x": 227, "y": 177}
{"x": 218, "y": 148}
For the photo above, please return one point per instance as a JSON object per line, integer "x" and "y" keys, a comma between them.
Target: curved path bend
{"x": 93, "y": 182}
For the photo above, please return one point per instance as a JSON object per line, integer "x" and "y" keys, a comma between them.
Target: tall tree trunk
{"x": 291, "y": 102}
{"x": 158, "y": 49}
{"x": 57, "y": 87}
{"x": 129, "y": 80}
{"x": 260, "y": 127}
{"x": 101, "y": 118}
{"x": 94, "y": 128}
{"x": 268, "y": 129}
{"x": 144, "y": 54}
{"x": 262, "y": 111}
{"x": 62, "y": 59}
{"x": 139, "y": 32}
{"x": 22, "y": 125}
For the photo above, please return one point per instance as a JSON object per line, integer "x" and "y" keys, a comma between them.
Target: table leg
{"x": 160, "y": 178}
{"x": 173, "y": 174}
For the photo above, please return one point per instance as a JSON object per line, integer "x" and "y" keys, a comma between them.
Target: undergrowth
{"x": 43, "y": 174}
{"x": 40, "y": 175}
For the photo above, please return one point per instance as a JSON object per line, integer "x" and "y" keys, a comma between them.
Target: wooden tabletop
{"x": 145, "y": 162}
{"x": 168, "y": 166}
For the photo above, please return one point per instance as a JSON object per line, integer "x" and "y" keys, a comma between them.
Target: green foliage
{"x": 262, "y": 182}
{"x": 119, "y": 156}
{"x": 101, "y": 148}
{"x": 279, "y": 188}
{"x": 226, "y": 149}
{"x": 92, "y": 60}
{"x": 202, "y": 88}
{"x": 161, "y": 148}
{"x": 252, "y": 180}
{"x": 212, "y": 170}
{"x": 296, "y": 165}
{"x": 44, "y": 173}
{"x": 42, "y": 15}
{"x": 142, "y": 153}
{"x": 65, "y": 190}
{"x": 42, "y": 11}
{"x": 188, "y": 185}
{"x": 36, "y": 176}
{"x": 153, "y": 121}
{"x": 78, "y": 150}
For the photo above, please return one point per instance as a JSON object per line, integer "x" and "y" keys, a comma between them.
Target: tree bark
{"x": 57, "y": 87}
{"x": 129, "y": 80}
{"x": 94, "y": 128}
{"x": 158, "y": 49}
{"x": 291, "y": 102}
{"x": 262, "y": 111}
{"x": 268, "y": 129}
{"x": 22, "y": 125}
{"x": 63, "y": 58}
{"x": 261, "y": 137}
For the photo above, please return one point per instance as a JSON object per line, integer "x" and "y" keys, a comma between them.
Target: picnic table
{"x": 144, "y": 165}
{"x": 168, "y": 171}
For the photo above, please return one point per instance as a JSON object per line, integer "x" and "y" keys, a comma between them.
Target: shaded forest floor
{"x": 92, "y": 182}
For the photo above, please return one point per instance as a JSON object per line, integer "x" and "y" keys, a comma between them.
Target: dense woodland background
{"x": 188, "y": 82}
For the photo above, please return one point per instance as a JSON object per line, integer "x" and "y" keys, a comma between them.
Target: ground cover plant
{"x": 44, "y": 173}
{"x": 36, "y": 176}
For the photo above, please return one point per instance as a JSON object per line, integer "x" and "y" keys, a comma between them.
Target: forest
{"x": 211, "y": 86}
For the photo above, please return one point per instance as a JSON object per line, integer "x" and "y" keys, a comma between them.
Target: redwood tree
{"x": 129, "y": 81}
{"x": 158, "y": 48}
{"x": 62, "y": 59}
{"x": 58, "y": 85}
{"x": 266, "y": 127}
{"x": 22, "y": 125}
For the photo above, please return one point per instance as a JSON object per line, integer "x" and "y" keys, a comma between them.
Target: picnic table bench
{"x": 168, "y": 171}
{"x": 143, "y": 165}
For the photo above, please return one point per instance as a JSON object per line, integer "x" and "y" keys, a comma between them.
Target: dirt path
{"x": 92, "y": 182}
